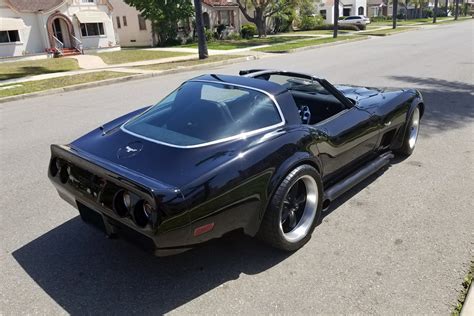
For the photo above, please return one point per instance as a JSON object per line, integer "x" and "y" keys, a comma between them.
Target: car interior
{"x": 315, "y": 104}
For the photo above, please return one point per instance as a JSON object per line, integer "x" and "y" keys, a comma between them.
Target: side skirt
{"x": 354, "y": 178}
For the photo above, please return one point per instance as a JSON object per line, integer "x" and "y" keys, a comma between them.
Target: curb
{"x": 107, "y": 82}
{"x": 294, "y": 50}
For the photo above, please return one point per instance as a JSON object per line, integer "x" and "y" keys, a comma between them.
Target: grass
{"x": 403, "y": 22}
{"x": 188, "y": 63}
{"x": 40, "y": 85}
{"x": 133, "y": 55}
{"x": 322, "y": 32}
{"x": 385, "y": 32}
{"x": 462, "y": 295}
{"x": 18, "y": 69}
{"x": 282, "y": 48}
{"x": 243, "y": 43}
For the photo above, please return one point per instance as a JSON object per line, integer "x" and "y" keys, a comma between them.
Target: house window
{"x": 323, "y": 13}
{"x": 9, "y": 36}
{"x": 92, "y": 29}
{"x": 141, "y": 23}
{"x": 118, "y": 22}
{"x": 88, "y": 1}
{"x": 124, "y": 20}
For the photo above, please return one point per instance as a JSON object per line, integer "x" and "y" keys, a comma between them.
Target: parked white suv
{"x": 357, "y": 20}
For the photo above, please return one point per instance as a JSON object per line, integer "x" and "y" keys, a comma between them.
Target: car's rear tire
{"x": 411, "y": 133}
{"x": 294, "y": 210}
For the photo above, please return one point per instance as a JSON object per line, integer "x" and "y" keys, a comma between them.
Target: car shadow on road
{"x": 449, "y": 104}
{"x": 86, "y": 273}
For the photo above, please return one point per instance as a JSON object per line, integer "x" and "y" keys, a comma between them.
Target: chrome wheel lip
{"x": 414, "y": 128}
{"x": 305, "y": 223}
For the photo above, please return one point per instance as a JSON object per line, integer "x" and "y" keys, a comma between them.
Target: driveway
{"x": 400, "y": 242}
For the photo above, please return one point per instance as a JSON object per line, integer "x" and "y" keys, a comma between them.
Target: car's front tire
{"x": 411, "y": 133}
{"x": 294, "y": 210}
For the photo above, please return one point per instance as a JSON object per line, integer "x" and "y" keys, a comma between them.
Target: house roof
{"x": 220, "y": 3}
{"x": 33, "y": 6}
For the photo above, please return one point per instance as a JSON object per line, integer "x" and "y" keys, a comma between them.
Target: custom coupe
{"x": 265, "y": 152}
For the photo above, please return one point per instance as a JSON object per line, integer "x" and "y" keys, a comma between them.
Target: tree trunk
{"x": 394, "y": 14}
{"x": 446, "y": 4}
{"x": 336, "y": 17}
{"x": 456, "y": 10}
{"x": 260, "y": 22}
{"x": 202, "y": 45}
{"x": 435, "y": 11}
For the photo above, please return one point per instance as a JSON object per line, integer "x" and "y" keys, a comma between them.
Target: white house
{"x": 33, "y": 27}
{"x": 133, "y": 30}
{"x": 130, "y": 27}
{"x": 346, "y": 7}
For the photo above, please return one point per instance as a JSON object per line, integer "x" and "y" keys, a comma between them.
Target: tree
{"x": 394, "y": 14}
{"x": 263, "y": 9}
{"x": 435, "y": 11}
{"x": 336, "y": 17}
{"x": 202, "y": 45}
{"x": 164, "y": 16}
{"x": 456, "y": 10}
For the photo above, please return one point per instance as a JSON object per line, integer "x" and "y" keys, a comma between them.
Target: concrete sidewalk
{"x": 468, "y": 307}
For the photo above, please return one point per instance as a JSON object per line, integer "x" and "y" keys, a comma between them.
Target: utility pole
{"x": 336, "y": 17}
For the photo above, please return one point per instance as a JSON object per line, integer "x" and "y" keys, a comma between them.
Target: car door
{"x": 345, "y": 140}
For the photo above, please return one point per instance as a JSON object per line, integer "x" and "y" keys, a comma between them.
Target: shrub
{"x": 310, "y": 22}
{"x": 220, "y": 28}
{"x": 380, "y": 18}
{"x": 209, "y": 35}
{"x": 189, "y": 40}
{"x": 248, "y": 31}
{"x": 339, "y": 27}
{"x": 235, "y": 36}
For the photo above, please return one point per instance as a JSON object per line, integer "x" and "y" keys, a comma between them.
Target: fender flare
{"x": 297, "y": 159}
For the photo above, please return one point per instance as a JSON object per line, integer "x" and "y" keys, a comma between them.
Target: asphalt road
{"x": 400, "y": 242}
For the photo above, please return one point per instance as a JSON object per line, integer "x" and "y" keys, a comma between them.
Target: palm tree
{"x": 394, "y": 13}
{"x": 435, "y": 11}
{"x": 456, "y": 10}
{"x": 336, "y": 17}
{"x": 202, "y": 45}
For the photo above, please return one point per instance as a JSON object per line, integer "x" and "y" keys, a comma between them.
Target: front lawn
{"x": 18, "y": 69}
{"x": 132, "y": 55}
{"x": 40, "y": 85}
{"x": 188, "y": 63}
{"x": 243, "y": 43}
{"x": 388, "y": 31}
{"x": 283, "y": 48}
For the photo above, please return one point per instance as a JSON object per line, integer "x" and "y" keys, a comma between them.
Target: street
{"x": 400, "y": 242}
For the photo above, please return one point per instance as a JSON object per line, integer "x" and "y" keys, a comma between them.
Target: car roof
{"x": 267, "y": 86}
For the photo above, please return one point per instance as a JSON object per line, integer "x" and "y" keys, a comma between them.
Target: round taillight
{"x": 122, "y": 203}
{"x": 142, "y": 213}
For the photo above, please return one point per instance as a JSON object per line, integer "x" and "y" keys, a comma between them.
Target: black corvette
{"x": 265, "y": 152}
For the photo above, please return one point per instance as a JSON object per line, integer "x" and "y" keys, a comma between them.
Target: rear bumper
{"x": 92, "y": 188}
{"x": 114, "y": 228}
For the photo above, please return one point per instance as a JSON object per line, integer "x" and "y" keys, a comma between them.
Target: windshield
{"x": 201, "y": 112}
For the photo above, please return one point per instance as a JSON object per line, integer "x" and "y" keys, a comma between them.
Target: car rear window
{"x": 202, "y": 112}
